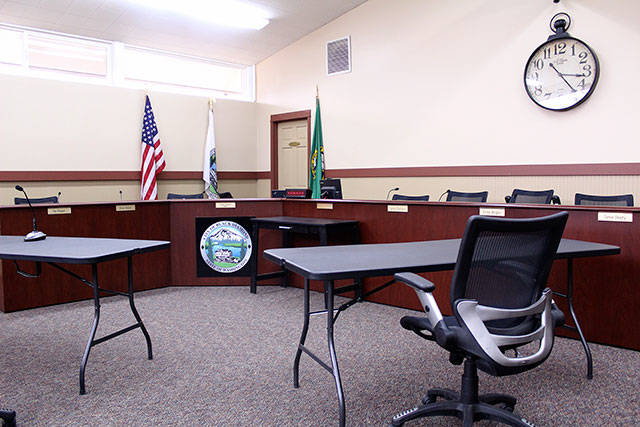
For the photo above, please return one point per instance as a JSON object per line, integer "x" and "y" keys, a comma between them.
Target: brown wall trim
{"x": 33, "y": 176}
{"x": 586, "y": 169}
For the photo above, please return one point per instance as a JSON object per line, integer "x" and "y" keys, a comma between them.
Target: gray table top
{"x": 75, "y": 250}
{"x": 385, "y": 259}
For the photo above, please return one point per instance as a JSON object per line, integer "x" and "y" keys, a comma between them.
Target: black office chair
{"x": 424, "y": 198}
{"x": 544, "y": 197}
{"x": 500, "y": 304}
{"x": 185, "y": 196}
{"x": 591, "y": 200}
{"x": 225, "y": 195}
{"x": 456, "y": 196}
{"x": 23, "y": 201}
{"x": 8, "y": 417}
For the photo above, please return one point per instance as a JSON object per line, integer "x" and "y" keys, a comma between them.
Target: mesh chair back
{"x": 505, "y": 263}
{"x": 424, "y": 198}
{"x": 185, "y": 196}
{"x": 529, "y": 196}
{"x": 591, "y": 200}
{"x": 23, "y": 201}
{"x": 455, "y": 196}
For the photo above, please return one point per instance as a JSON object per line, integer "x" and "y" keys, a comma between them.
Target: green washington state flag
{"x": 316, "y": 162}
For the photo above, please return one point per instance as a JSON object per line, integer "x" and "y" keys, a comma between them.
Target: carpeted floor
{"x": 223, "y": 356}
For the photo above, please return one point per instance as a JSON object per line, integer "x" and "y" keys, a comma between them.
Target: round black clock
{"x": 562, "y": 72}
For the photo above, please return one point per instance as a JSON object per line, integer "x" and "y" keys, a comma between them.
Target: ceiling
{"x": 130, "y": 23}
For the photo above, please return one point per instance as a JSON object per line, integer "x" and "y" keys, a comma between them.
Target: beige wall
{"x": 48, "y": 125}
{"x": 434, "y": 83}
{"x": 439, "y": 83}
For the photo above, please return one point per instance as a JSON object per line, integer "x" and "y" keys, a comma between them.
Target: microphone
{"x": 393, "y": 189}
{"x": 35, "y": 234}
{"x": 120, "y": 195}
{"x": 440, "y": 198}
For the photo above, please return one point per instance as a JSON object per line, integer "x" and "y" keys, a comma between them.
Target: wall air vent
{"x": 339, "y": 56}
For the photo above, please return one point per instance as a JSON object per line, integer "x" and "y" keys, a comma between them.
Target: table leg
{"x": 303, "y": 336}
{"x": 96, "y": 319}
{"x": 356, "y": 241}
{"x": 328, "y": 287}
{"x": 575, "y": 318}
{"x": 286, "y": 243}
{"x": 255, "y": 233}
{"x": 135, "y": 311}
{"x": 322, "y": 235}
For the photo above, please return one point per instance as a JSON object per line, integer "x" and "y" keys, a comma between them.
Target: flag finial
{"x": 317, "y": 93}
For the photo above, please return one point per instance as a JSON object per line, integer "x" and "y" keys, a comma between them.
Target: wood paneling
{"x": 151, "y": 270}
{"x": 183, "y": 237}
{"x": 606, "y": 295}
{"x": 607, "y": 298}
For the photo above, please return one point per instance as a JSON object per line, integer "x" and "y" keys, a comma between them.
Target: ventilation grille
{"x": 339, "y": 56}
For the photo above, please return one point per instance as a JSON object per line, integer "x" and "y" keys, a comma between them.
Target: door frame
{"x": 279, "y": 118}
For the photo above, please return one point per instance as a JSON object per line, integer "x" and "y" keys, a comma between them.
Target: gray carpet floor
{"x": 223, "y": 356}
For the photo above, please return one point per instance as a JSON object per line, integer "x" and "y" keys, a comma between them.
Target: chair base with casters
{"x": 467, "y": 405}
{"x": 8, "y": 417}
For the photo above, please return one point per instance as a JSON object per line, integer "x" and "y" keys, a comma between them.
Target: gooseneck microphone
{"x": 35, "y": 234}
{"x": 393, "y": 189}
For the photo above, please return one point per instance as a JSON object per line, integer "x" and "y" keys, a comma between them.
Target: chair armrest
{"x": 415, "y": 281}
{"x": 423, "y": 288}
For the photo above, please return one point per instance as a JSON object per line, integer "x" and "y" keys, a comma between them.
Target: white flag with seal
{"x": 209, "y": 170}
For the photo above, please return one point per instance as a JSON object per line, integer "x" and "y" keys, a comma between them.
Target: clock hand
{"x": 562, "y": 76}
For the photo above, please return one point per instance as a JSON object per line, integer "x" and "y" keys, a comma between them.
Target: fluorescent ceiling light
{"x": 222, "y": 12}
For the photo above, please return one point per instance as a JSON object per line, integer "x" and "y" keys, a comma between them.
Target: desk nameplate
{"x": 328, "y": 206}
{"x": 398, "y": 208}
{"x": 125, "y": 208}
{"x": 58, "y": 211}
{"x": 615, "y": 216}
{"x": 491, "y": 211}
{"x": 225, "y": 205}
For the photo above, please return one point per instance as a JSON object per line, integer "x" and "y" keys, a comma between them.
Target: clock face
{"x": 561, "y": 73}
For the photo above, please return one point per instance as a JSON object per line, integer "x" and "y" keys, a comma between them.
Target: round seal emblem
{"x": 225, "y": 246}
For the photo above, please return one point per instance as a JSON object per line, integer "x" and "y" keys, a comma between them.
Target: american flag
{"x": 152, "y": 157}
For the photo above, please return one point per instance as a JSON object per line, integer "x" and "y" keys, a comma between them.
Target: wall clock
{"x": 563, "y": 71}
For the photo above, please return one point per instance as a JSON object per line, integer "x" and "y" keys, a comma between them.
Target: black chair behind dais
{"x": 591, "y": 200}
{"x": 23, "y": 201}
{"x": 424, "y": 198}
{"x": 456, "y": 196}
{"x": 544, "y": 197}
{"x": 185, "y": 196}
